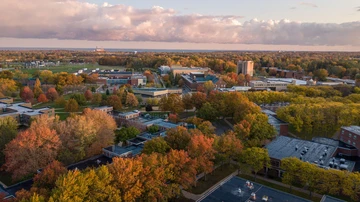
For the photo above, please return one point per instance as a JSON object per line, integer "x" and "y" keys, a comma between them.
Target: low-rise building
{"x": 23, "y": 112}
{"x": 164, "y": 70}
{"x": 282, "y": 128}
{"x": 269, "y": 85}
{"x": 319, "y": 153}
{"x": 351, "y": 135}
{"x": 129, "y": 115}
{"x": 188, "y": 70}
{"x": 195, "y": 80}
{"x": 106, "y": 109}
{"x": 156, "y": 92}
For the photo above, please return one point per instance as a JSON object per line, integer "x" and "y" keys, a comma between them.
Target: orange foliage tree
{"x": 26, "y": 94}
{"x": 88, "y": 95}
{"x": 52, "y": 94}
{"x": 42, "y": 98}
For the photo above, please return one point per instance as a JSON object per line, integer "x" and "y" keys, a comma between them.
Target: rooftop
{"x": 327, "y": 198}
{"x": 236, "y": 189}
{"x": 353, "y": 129}
{"x": 312, "y": 152}
{"x": 120, "y": 151}
{"x": 288, "y": 80}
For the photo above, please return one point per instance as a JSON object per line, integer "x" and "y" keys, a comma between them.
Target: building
{"x": 236, "y": 89}
{"x": 323, "y": 154}
{"x": 129, "y": 115}
{"x": 351, "y": 135}
{"x": 156, "y": 92}
{"x": 164, "y": 70}
{"x": 283, "y": 73}
{"x": 269, "y": 85}
{"x": 23, "y": 112}
{"x": 245, "y": 67}
{"x": 106, "y": 109}
{"x": 195, "y": 80}
{"x": 114, "y": 77}
{"x": 281, "y": 127}
{"x": 327, "y": 198}
{"x": 188, "y": 70}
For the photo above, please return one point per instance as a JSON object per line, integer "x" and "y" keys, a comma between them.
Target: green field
{"x": 72, "y": 68}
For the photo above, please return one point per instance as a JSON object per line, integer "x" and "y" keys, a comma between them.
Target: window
{"x": 349, "y": 141}
{"x": 354, "y": 143}
{"x": 342, "y": 132}
{"x": 350, "y": 135}
{"x": 355, "y": 137}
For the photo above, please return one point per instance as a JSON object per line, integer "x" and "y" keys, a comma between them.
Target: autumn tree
{"x": 321, "y": 74}
{"x": 80, "y": 98}
{"x": 182, "y": 167}
{"x": 7, "y": 86}
{"x": 37, "y": 88}
{"x": 60, "y": 102}
{"x": 256, "y": 158}
{"x": 153, "y": 129}
{"x": 126, "y": 133}
{"x": 48, "y": 176}
{"x": 209, "y": 86}
{"x": 158, "y": 145}
{"x": 173, "y": 118}
{"x": 88, "y": 95}
{"x": 8, "y": 131}
{"x": 96, "y": 98}
{"x": 91, "y": 185}
{"x": 172, "y": 103}
{"x": 178, "y": 138}
{"x": 32, "y": 149}
{"x": 71, "y": 106}
{"x": 114, "y": 101}
{"x": 42, "y": 98}
{"x": 228, "y": 147}
{"x": 27, "y": 94}
{"x": 201, "y": 149}
{"x": 131, "y": 100}
{"x": 52, "y": 94}
{"x": 206, "y": 128}
{"x": 188, "y": 102}
{"x": 127, "y": 177}
{"x": 198, "y": 99}
{"x": 291, "y": 168}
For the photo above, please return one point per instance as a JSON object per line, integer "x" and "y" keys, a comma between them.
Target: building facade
{"x": 245, "y": 67}
{"x": 351, "y": 136}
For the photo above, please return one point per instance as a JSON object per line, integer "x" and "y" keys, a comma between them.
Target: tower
{"x": 245, "y": 67}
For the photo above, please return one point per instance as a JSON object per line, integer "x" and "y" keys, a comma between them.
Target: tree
{"x": 207, "y": 112}
{"x": 42, "y": 98}
{"x": 291, "y": 166}
{"x": 88, "y": 95}
{"x": 178, "y": 138}
{"x": 148, "y": 108}
{"x": 80, "y": 98}
{"x": 321, "y": 74}
{"x": 158, "y": 145}
{"x": 32, "y": 149}
{"x": 173, "y": 118}
{"x": 26, "y": 94}
{"x": 209, "y": 86}
{"x": 188, "y": 102}
{"x": 37, "y": 88}
{"x": 91, "y": 185}
{"x": 228, "y": 147}
{"x": 206, "y": 128}
{"x": 114, "y": 101}
{"x": 47, "y": 177}
{"x": 172, "y": 103}
{"x": 198, "y": 99}
{"x": 256, "y": 158}
{"x": 182, "y": 167}
{"x": 107, "y": 92}
{"x": 153, "y": 129}
{"x": 201, "y": 149}
{"x": 96, "y": 98}
{"x": 60, "y": 102}
{"x": 71, "y": 106}
{"x": 125, "y": 134}
{"x": 131, "y": 100}
{"x": 127, "y": 177}
{"x": 52, "y": 94}
{"x": 8, "y": 131}
{"x": 7, "y": 86}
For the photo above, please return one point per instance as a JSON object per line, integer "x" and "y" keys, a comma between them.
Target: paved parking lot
{"x": 236, "y": 189}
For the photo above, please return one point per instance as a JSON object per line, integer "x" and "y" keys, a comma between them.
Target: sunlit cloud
{"x": 308, "y": 4}
{"x": 79, "y": 20}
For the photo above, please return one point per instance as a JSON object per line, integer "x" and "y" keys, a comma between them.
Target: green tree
{"x": 158, "y": 145}
{"x": 107, "y": 92}
{"x": 80, "y": 98}
{"x": 125, "y": 134}
{"x": 321, "y": 74}
{"x": 256, "y": 158}
{"x": 71, "y": 106}
{"x": 172, "y": 103}
{"x": 178, "y": 138}
{"x": 209, "y": 86}
{"x": 153, "y": 129}
{"x": 207, "y": 112}
{"x": 8, "y": 131}
{"x": 96, "y": 98}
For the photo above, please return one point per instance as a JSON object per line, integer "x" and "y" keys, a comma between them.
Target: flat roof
{"x": 308, "y": 151}
{"x": 288, "y": 80}
{"x": 236, "y": 190}
{"x": 353, "y": 129}
{"x": 128, "y": 113}
{"x": 103, "y": 107}
{"x": 134, "y": 149}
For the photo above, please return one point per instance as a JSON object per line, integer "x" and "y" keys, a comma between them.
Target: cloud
{"x": 293, "y": 8}
{"x": 72, "y": 19}
{"x": 308, "y": 4}
{"x": 358, "y": 8}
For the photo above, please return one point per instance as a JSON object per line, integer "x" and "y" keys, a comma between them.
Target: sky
{"x": 322, "y": 25}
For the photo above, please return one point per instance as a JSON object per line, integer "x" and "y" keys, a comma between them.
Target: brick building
{"x": 196, "y": 80}
{"x": 351, "y": 135}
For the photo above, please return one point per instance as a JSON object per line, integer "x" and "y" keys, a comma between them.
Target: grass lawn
{"x": 213, "y": 178}
{"x": 281, "y": 188}
{"x": 71, "y": 68}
